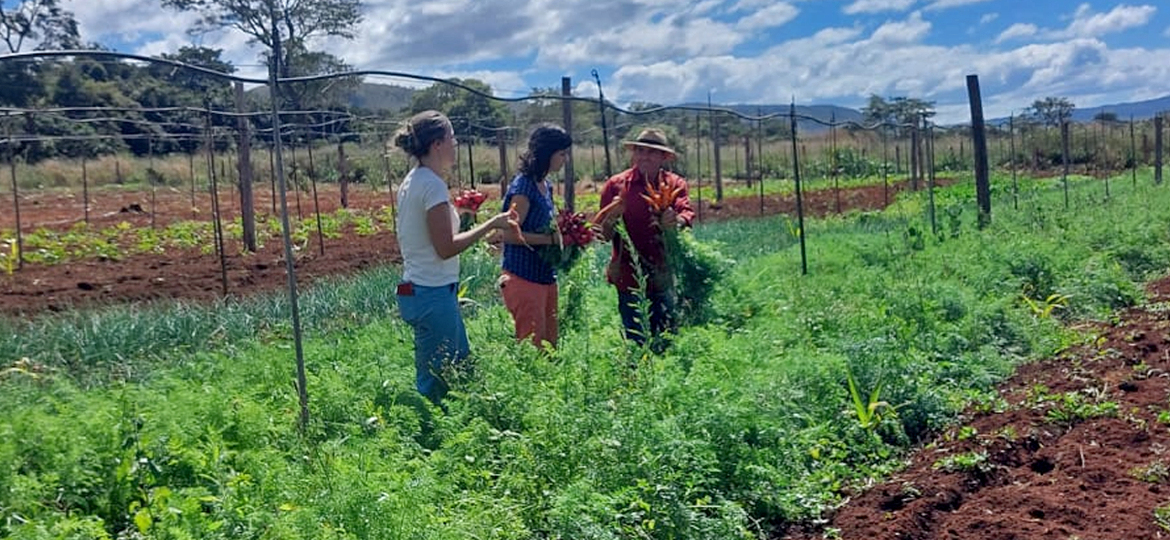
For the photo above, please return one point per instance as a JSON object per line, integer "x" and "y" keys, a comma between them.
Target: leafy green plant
{"x": 1072, "y": 407}
{"x": 1162, "y": 517}
{"x": 968, "y": 462}
{"x": 1157, "y": 472}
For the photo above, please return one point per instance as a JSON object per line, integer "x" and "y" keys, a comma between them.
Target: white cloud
{"x": 503, "y": 83}
{"x": 645, "y": 41}
{"x": 126, "y": 19}
{"x": 747, "y": 5}
{"x": 1123, "y": 17}
{"x": 772, "y": 16}
{"x": 1016, "y": 31}
{"x": 909, "y": 31}
{"x": 877, "y": 6}
{"x": 671, "y": 51}
{"x": 946, "y": 4}
{"x": 1166, "y": 32}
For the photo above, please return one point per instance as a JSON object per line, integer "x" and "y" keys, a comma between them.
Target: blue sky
{"x": 742, "y": 51}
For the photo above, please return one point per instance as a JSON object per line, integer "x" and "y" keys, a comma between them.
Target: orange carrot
{"x": 604, "y": 213}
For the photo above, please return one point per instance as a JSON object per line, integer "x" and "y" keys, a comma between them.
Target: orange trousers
{"x": 533, "y": 307}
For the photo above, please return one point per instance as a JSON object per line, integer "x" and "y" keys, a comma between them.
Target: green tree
{"x": 43, "y": 21}
{"x": 292, "y": 23}
{"x": 319, "y": 93}
{"x": 897, "y": 110}
{"x": 472, "y": 113}
{"x": 1051, "y": 111}
{"x": 1105, "y": 116}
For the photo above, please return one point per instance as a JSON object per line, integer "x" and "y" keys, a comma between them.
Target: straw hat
{"x": 652, "y": 138}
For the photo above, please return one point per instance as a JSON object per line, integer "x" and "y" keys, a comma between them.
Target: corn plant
{"x": 1044, "y": 308}
{"x": 869, "y": 411}
{"x": 13, "y": 256}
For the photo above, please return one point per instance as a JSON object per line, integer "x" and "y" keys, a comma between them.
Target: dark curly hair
{"x": 545, "y": 140}
{"x": 422, "y": 130}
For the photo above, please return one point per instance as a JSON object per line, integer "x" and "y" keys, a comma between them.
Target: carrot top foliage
{"x": 181, "y": 422}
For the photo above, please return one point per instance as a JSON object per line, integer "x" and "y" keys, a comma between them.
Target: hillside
{"x": 381, "y": 97}
{"x": 1139, "y": 110}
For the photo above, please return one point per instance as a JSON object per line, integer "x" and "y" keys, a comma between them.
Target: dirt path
{"x": 1047, "y": 475}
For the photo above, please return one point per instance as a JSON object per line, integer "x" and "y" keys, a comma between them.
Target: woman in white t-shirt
{"x": 430, "y": 243}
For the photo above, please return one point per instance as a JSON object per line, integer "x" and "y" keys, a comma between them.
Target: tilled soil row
{"x": 1079, "y": 448}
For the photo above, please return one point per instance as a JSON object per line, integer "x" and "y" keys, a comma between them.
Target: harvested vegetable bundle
{"x": 467, "y": 204}
{"x": 576, "y": 233}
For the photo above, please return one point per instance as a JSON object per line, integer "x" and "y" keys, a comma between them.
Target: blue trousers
{"x": 661, "y": 315}
{"x": 440, "y": 339}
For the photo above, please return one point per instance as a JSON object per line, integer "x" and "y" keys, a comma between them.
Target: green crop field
{"x": 181, "y": 421}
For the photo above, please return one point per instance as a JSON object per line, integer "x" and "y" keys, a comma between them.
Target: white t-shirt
{"x": 420, "y": 191}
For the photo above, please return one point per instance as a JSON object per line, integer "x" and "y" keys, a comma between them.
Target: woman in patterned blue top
{"x": 528, "y": 283}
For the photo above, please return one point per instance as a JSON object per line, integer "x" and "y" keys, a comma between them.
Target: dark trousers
{"x": 661, "y": 311}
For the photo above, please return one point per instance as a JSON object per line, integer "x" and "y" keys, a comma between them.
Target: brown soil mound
{"x": 1053, "y": 469}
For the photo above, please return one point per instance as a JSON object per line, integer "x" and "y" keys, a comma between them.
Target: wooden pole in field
{"x": 1102, "y": 143}
{"x": 317, "y": 213}
{"x": 1158, "y": 121}
{"x": 470, "y": 163}
{"x": 217, "y": 227}
{"x": 604, "y": 124}
{"x": 833, "y": 160}
{"x": 699, "y": 172}
{"x": 1012, "y": 149}
{"x": 1132, "y": 152}
{"x": 316, "y": 205}
{"x": 295, "y": 177}
{"x": 15, "y": 200}
{"x": 502, "y": 146}
{"x": 286, "y": 229}
{"x": 928, "y": 142}
{"x": 150, "y": 178}
{"x": 570, "y": 174}
{"x": 85, "y": 185}
{"x": 715, "y": 146}
{"x": 272, "y": 170}
{"x": 458, "y": 161}
{"x": 885, "y": 168}
{"x": 191, "y": 174}
{"x": 799, "y": 195}
{"x": 979, "y": 136}
{"x": 759, "y": 156}
{"x": 914, "y": 156}
{"x": 244, "y": 169}
{"x": 1064, "y": 143}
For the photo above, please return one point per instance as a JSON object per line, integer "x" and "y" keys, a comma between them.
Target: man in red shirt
{"x": 643, "y": 225}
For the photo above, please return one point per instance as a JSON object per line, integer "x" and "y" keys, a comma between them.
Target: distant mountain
{"x": 381, "y": 97}
{"x": 369, "y": 96}
{"x": 1140, "y": 110}
{"x": 823, "y": 113}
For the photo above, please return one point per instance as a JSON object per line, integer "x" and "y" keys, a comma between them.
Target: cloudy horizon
{"x": 738, "y": 51}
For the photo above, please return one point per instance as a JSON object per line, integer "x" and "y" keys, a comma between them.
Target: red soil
{"x": 192, "y": 275}
{"x": 1044, "y": 479}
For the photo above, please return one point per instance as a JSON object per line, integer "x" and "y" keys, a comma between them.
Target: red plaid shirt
{"x": 641, "y": 225}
